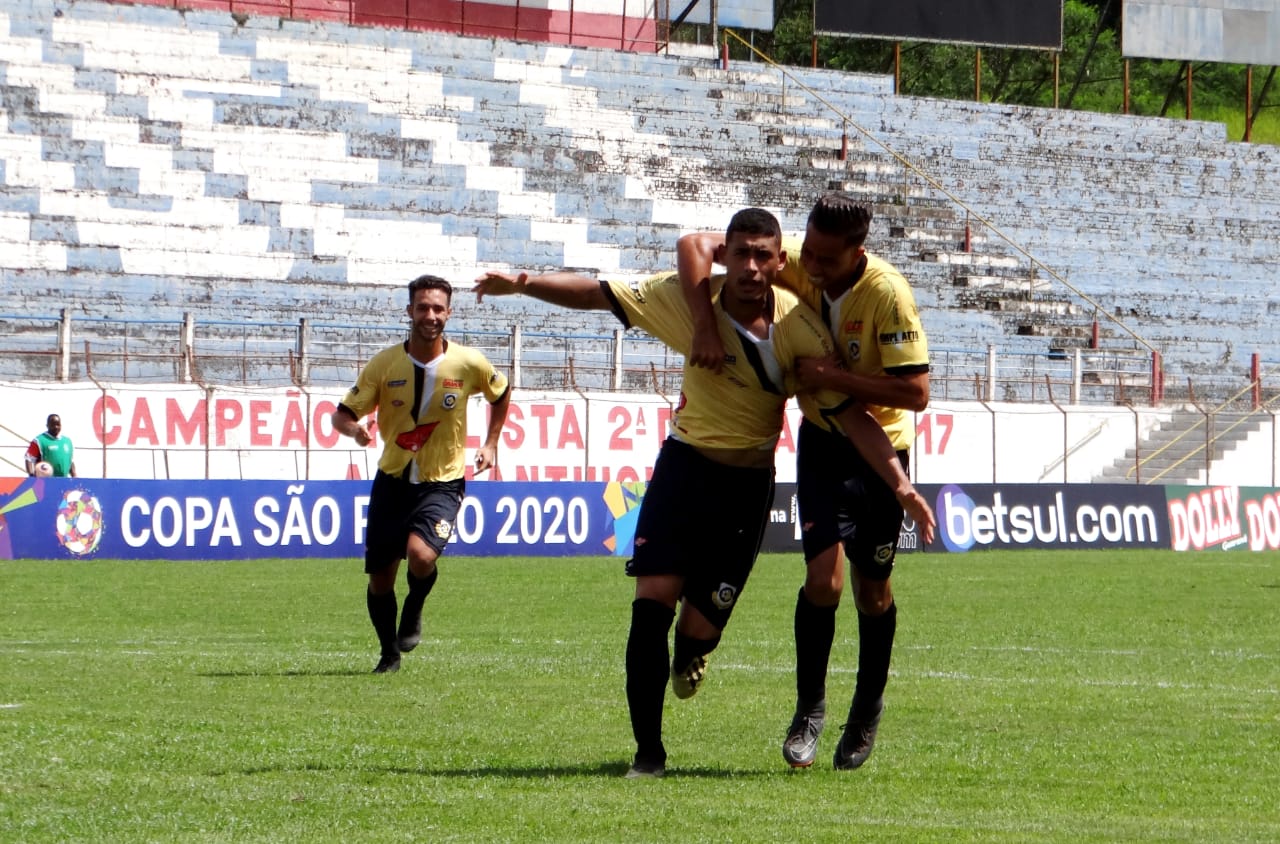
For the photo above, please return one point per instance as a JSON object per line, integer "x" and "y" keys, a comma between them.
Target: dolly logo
{"x": 444, "y": 529}
{"x": 724, "y": 596}
{"x": 884, "y": 554}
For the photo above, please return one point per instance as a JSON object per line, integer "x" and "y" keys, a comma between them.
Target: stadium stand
{"x": 157, "y": 163}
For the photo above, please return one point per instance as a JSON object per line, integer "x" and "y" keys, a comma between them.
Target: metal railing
{"x": 318, "y": 354}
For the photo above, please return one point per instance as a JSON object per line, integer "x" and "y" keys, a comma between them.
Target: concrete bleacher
{"x": 158, "y": 162}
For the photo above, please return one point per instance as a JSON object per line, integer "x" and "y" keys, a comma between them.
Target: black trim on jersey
{"x": 419, "y": 380}
{"x": 908, "y": 369}
{"x": 617, "y": 309}
{"x": 829, "y": 414}
{"x": 752, "y": 354}
{"x": 349, "y": 411}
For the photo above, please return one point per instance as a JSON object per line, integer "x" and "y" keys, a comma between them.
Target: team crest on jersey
{"x": 449, "y": 400}
{"x": 444, "y": 530}
{"x": 855, "y": 349}
{"x": 884, "y": 554}
{"x": 355, "y": 388}
{"x": 724, "y": 596}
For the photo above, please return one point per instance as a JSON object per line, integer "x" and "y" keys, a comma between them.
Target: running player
{"x": 420, "y": 388}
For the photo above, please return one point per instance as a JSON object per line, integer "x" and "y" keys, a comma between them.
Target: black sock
{"x": 815, "y": 630}
{"x": 419, "y": 589}
{"x": 688, "y": 648}
{"x": 382, "y": 612}
{"x": 647, "y": 675}
{"x": 875, "y": 645}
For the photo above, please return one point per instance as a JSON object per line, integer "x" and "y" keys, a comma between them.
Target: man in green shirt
{"x": 52, "y": 448}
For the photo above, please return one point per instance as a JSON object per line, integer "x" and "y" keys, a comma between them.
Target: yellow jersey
{"x": 422, "y": 407}
{"x": 742, "y": 406}
{"x": 876, "y": 327}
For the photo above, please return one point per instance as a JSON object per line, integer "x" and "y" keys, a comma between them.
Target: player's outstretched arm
{"x": 871, "y": 442}
{"x": 695, "y": 255}
{"x": 568, "y": 290}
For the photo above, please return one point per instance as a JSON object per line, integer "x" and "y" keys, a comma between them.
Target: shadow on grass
{"x": 294, "y": 672}
{"x": 609, "y": 770}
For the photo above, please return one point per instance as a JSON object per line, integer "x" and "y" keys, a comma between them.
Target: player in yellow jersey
{"x": 703, "y": 515}
{"x": 420, "y": 389}
{"x": 844, "y": 505}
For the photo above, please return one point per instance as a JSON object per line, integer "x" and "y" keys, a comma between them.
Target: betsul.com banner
{"x": 70, "y": 518}
{"x": 1049, "y": 516}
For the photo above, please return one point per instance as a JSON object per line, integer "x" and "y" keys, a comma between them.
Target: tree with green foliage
{"x": 1090, "y": 69}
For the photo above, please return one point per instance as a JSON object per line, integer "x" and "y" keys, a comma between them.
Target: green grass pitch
{"x": 1060, "y": 696}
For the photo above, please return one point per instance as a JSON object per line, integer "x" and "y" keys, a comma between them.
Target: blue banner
{"x": 70, "y": 518}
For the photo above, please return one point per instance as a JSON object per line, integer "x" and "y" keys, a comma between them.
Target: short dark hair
{"x": 754, "y": 221}
{"x": 430, "y": 282}
{"x": 838, "y": 214}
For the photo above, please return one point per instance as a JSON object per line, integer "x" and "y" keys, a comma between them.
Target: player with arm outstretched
{"x": 703, "y": 515}
{"x": 846, "y": 510}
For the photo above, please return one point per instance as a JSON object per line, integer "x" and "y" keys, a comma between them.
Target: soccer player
{"x": 844, "y": 504}
{"x": 420, "y": 388}
{"x": 52, "y": 448}
{"x": 703, "y": 515}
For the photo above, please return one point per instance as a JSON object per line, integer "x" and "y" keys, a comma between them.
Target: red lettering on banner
{"x": 142, "y": 428}
{"x": 1205, "y": 518}
{"x": 258, "y": 410}
{"x": 786, "y": 440}
{"x": 295, "y": 429}
{"x": 1264, "y": 522}
{"x": 542, "y": 412}
{"x": 626, "y": 475}
{"x": 570, "y": 430}
{"x": 191, "y": 428}
{"x": 618, "y": 441}
{"x": 944, "y": 422}
{"x": 512, "y": 432}
{"x": 227, "y": 415}
{"x": 321, "y": 428}
{"x": 101, "y": 408}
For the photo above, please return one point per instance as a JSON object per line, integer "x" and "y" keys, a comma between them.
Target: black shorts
{"x": 842, "y": 499}
{"x": 398, "y": 508}
{"x": 704, "y": 521}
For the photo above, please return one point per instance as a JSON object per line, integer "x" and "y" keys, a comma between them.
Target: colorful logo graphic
{"x": 623, "y": 501}
{"x": 79, "y": 522}
{"x": 15, "y": 493}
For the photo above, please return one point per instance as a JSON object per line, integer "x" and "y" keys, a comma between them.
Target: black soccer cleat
{"x": 410, "y": 633}
{"x": 685, "y": 683}
{"x": 388, "y": 664}
{"x": 857, "y": 741}
{"x": 646, "y": 769}
{"x": 800, "y": 747}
